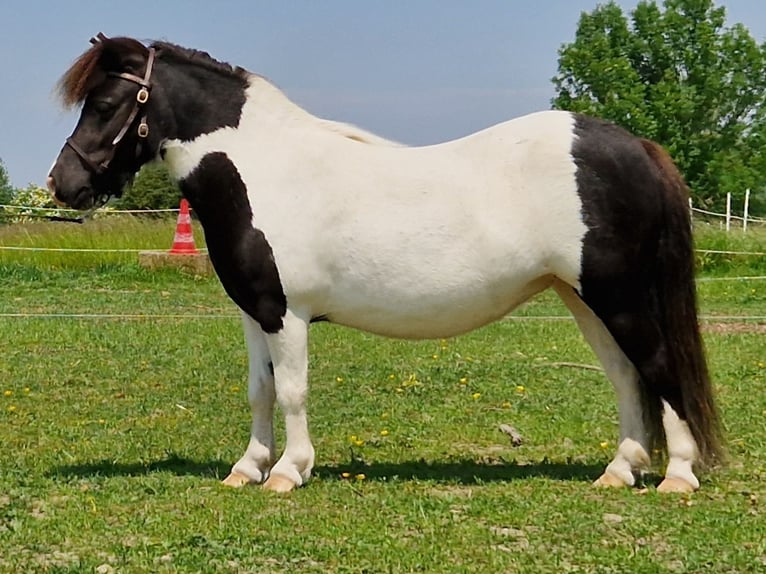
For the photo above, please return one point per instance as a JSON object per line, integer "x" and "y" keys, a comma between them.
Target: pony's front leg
{"x": 254, "y": 465}
{"x": 289, "y": 354}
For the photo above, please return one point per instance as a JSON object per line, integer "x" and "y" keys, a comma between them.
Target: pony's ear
{"x": 100, "y": 37}
{"x": 90, "y": 69}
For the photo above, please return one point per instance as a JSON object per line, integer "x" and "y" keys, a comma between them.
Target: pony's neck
{"x": 267, "y": 104}
{"x": 196, "y": 100}
{"x": 268, "y": 107}
{"x": 200, "y": 100}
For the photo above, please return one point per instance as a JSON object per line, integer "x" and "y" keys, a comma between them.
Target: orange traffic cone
{"x": 183, "y": 241}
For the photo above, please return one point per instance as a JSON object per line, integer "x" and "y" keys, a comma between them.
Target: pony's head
{"x": 112, "y": 139}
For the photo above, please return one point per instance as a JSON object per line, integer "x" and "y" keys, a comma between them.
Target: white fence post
{"x": 747, "y": 209}
{"x": 691, "y": 212}
{"x": 728, "y": 212}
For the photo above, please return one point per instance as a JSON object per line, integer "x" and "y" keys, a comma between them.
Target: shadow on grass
{"x": 173, "y": 464}
{"x": 466, "y": 471}
{"x": 461, "y": 471}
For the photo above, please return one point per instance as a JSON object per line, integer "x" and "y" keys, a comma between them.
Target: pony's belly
{"x": 434, "y": 317}
{"x": 409, "y": 327}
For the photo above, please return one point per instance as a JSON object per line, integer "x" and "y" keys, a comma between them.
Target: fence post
{"x": 728, "y": 212}
{"x": 691, "y": 212}
{"x": 747, "y": 209}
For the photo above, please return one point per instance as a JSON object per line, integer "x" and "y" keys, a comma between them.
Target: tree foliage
{"x": 153, "y": 188}
{"x": 6, "y": 189}
{"x": 678, "y": 75}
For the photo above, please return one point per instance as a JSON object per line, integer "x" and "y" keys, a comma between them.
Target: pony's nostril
{"x": 51, "y": 184}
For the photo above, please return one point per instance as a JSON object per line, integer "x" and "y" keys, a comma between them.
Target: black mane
{"x": 169, "y": 51}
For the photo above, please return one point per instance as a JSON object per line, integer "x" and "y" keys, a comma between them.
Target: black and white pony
{"x": 307, "y": 219}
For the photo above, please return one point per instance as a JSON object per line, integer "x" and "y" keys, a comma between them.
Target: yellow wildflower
{"x": 520, "y": 388}
{"x": 384, "y": 432}
{"x": 476, "y": 395}
{"x": 355, "y": 440}
{"x": 360, "y": 476}
{"x": 345, "y": 475}
{"x": 8, "y": 393}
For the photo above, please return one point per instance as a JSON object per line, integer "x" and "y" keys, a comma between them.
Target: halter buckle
{"x": 142, "y": 96}
{"x": 143, "y": 130}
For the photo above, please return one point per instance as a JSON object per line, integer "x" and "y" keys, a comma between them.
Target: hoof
{"x": 279, "y": 483}
{"x": 609, "y": 480}
{"x": 236, "y": 480}
{"x": 671, "y": 484}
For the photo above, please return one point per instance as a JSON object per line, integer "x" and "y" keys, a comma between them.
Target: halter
{"x": 142, "y": 97}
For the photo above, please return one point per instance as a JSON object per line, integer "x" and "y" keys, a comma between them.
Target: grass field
{"x": 116, "y": 431}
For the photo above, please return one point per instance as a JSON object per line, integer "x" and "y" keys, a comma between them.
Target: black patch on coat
{"x": 620, "y": 191}
{"x": 621, "y": 195}
{"x": 192, "y": 94}
{"x": 241, "y": 255}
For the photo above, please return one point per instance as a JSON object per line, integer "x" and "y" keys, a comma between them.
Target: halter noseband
{"x": 142, "y": 97}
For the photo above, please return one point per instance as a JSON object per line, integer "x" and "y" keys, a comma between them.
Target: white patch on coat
{"x": 404, "y": 241}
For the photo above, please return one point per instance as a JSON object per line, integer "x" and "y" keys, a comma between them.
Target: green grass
{"x": 114, "y": 232}
{"x": 712, "y": 238}
{"x": 116, "y": 432}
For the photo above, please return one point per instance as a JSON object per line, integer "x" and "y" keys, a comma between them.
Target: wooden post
{"x": 691, "y": 213}
{"x": 747, "y": 209}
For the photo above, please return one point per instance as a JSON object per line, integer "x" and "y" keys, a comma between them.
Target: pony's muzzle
{"x": 51, "y": 185}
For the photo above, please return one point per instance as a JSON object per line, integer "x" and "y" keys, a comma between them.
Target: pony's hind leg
{"x": 632, "y": 452}
{"x": 634, "y": 327}
{"x": 254, "y": 465}
{"x": 682, "y": 453}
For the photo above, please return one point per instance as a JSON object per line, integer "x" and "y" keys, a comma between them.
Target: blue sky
{"x": 418, "y": 71}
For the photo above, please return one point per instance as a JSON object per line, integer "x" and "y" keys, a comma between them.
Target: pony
{"x": 311, "y": 220}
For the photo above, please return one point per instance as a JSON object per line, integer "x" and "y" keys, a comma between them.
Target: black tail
{"x": 677, "y": 307}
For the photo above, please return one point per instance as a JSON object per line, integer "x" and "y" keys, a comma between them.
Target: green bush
{"x": 153, "y": 188}
{"x": 29, "y": 204}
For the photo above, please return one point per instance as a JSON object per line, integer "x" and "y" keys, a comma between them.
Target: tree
{"x": 6, "y": 189}
{"x": 153, "y": 188}
{"x": 679, "y": 76}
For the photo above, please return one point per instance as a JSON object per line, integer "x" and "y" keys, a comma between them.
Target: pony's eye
{"x": 102, "y": 108}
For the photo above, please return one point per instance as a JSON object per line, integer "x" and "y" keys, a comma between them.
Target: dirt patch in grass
{"x": 733, "y": 328}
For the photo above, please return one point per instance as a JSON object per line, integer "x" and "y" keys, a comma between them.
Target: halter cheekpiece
{"x": 142, "y": 97}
